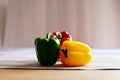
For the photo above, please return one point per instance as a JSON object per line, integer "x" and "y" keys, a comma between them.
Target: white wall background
{"x": 2, "y": 19}
{"x": 95, "y": 22}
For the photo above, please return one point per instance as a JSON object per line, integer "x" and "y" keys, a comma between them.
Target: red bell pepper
{"x": 65, "y": 36}
{"x": 62, "y": 36}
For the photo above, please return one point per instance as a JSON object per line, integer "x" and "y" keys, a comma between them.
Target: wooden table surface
{"x": 17, "y": 74}
{"x": 101, "y": 60}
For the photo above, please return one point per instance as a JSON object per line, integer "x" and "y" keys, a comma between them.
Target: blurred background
{"x": 94, "y": 22}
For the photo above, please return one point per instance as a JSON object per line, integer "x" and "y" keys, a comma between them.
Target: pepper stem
{"x": 48, "y": 35}
{"x": 64, "y": 51}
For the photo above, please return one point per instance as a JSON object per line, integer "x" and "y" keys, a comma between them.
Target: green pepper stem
{"x": 48, "y": 35}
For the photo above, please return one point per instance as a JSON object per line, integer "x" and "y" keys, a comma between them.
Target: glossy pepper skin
{"x": 47, "y": 50}
{"x": 75, "y": 53}
{"x": 65, "y": 36}
{"x": 62, "y": 36}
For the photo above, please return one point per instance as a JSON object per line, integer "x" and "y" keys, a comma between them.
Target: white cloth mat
{"x": 25, "y": 58}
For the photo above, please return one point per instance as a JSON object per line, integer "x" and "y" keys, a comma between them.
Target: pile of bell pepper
{"x": 47, "y": 48}
{"x": 59, "y": 45}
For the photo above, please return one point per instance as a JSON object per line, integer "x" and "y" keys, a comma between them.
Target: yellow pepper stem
{"x": 64, "y": 51}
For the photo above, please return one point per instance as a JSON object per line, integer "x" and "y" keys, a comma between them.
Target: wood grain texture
{"x": 13, "y": 74}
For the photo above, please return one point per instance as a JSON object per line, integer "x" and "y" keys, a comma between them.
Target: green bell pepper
{"x": 47, "y": 50}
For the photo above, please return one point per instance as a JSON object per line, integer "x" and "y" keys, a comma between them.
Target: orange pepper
{"x": 74, "y": 53}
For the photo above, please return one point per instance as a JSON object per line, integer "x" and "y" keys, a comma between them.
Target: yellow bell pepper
{"x": 75, "y": 53}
